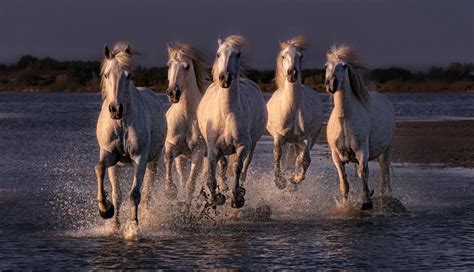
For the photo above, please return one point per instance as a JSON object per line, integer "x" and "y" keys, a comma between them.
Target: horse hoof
{"x": 280, "y": 182}
{"x": 171, "y": 191}
{"x": 239, "y": 198}
{"x": 238, "y": 202}
{"x": 367, "y": 206}
{"x": 109, "y": 211}
{"x": 219, "y": 199}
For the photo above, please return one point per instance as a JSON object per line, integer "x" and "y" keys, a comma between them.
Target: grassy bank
{"x": 32, "y": 74}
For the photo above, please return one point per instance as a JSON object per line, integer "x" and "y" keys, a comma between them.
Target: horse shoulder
{"x": 274, "y": 113}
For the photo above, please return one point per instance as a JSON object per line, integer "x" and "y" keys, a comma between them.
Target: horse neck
{"x": 228, "y": 98}
{"x": 292, "y": 93}
{"x": 191, "y": 96}
{"x": 344, "y": 101}
{"x": 132, "y": 96}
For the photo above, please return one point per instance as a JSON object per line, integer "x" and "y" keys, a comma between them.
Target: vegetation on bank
{"x": 31, "y": 74}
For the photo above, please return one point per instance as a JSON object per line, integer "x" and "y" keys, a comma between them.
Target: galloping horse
{"x": 187, "y": 79}
{"x": 295, "y": 112}
{"x": 362, "y": 122}
{"x": 131, "y": 129}
{"x": 232, "y": 118}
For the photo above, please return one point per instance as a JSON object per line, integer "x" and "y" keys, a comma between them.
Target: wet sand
{"x": 444, "y": 142}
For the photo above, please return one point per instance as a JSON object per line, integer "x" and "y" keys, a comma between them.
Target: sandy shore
{"x": 445, "y": 142}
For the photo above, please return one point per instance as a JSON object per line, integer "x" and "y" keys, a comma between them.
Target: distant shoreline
{"x": 31, "y": 74}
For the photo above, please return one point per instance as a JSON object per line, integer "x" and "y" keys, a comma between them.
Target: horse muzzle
{"x": 331, "y": 87}
{"x": 174, "y": 95}
{"x": 292, "y": 75}
{"x": 116, "y": 111}
{"x": 225, "y": 80}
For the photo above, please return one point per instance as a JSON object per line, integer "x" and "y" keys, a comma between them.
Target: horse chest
{"x": 293, "y": 126}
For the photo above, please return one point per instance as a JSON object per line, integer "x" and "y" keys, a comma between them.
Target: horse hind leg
{"x": 279, "y": 180}
{"x": 384, "y": 180}
{"x": 106, "y": 208}
{"x": 363, "y": 173}
{"x": 247, "y": 161}
{"x": 171, "y": 191}
{"x": 180, "y": 162}
{"x": 148, "y": 183}
{"x": 222, "y": 180}
{"x": 196, "y": 163}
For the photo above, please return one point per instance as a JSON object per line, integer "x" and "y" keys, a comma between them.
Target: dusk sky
{"x": 412, "y": 34}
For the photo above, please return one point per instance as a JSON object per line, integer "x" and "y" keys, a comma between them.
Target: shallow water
{"x": 48, "y": 215}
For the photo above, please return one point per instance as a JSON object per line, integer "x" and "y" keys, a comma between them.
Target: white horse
{"x": 362, "y": 122}
{"x": 295, "y": 112}
{"x": 187, "y": 79}
{"x": 232, "y": 118}
{"x": 131, "y": 129}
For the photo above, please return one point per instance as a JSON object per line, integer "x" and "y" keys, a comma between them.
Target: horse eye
{"x": 129, "y": 75}
{"x": 301, "y": 56}
{"x": 105, "y": 75}
{"x": 186, "y": 67}
{"x": 218, "y": 55}
{"x": 283, "y": 57}
{"x": 238, "y": 55}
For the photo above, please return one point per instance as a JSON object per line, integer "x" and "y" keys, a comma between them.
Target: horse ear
{"x": 107, "y": 53}
{"x": 220, "y": 41}
{"x": 128, "y": 50}
{"x": 282, "y": 45}
{"x": 168, "y": 47}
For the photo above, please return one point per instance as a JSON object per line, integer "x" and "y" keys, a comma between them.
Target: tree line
{"x": 50, "y": 75}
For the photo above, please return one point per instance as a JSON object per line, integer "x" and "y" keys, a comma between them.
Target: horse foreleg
{"x": 279, "y": 180}
{"x": 303, "y": 162}
{"x": 384, "y": 181}
{"x": 363, "y": 173}
{"x": 222, "y": 163}
{"x": 107, "y": 159}
{"x": 196, "y": 163}
{"x": 214, "y": 197}
{"x": 140, "y": 164}
{"x": 341, "y": 171}
{"x": 238, "y": 192}
{"x": 116, "y": 192}
{"x": 170, "y": 188}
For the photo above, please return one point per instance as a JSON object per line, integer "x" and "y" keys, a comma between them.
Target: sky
{"x": 408, "y": 33}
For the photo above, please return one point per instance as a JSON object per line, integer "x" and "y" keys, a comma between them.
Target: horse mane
{"x": 301, "y": 43}
{"x": 360, "y": 81}
{"x": 177, "y": 50}
{"x": 120, "y": 60}
{"x": 238, "y": 42}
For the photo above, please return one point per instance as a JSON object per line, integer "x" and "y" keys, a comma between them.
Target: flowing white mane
{"x": 360, "y": 81}
{"x": 237, "y": 42}
{"x": 301, "y": 43}
{"x": 177, "y": 51}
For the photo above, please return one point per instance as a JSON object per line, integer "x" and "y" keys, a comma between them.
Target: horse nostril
{"x": 221, "y": 77}
{"x": 327, "y": 82}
